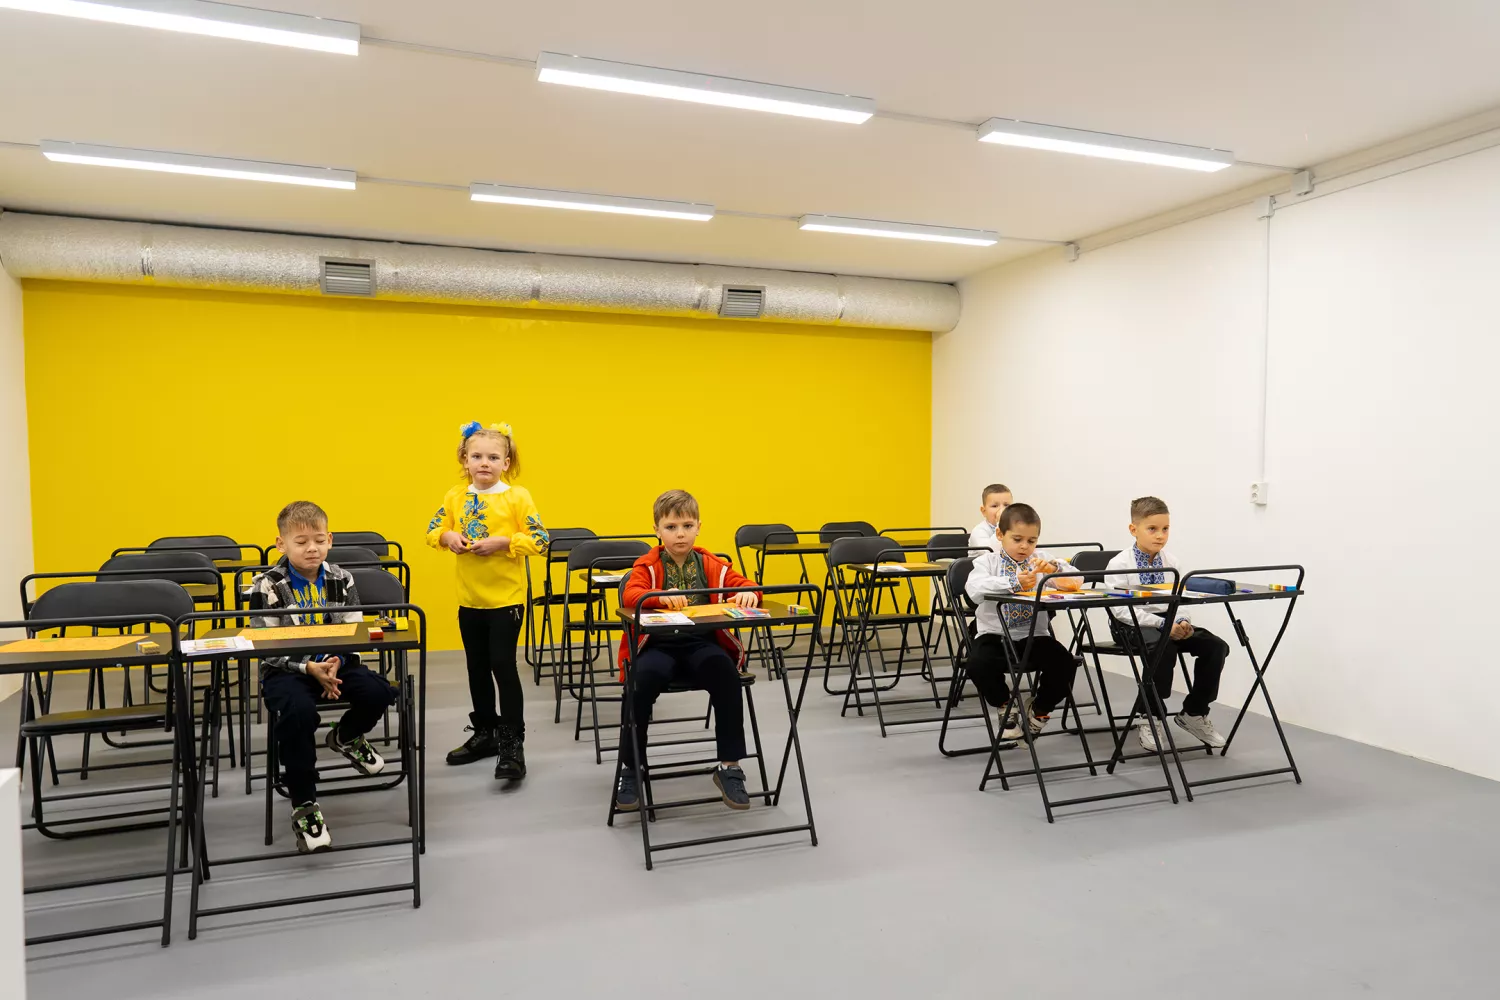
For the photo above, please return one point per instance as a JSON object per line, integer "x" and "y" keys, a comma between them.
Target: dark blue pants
{"x": 294, "y": 697}
{"x": 697, "y": 663}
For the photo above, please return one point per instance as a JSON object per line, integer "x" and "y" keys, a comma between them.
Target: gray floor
{"x": 1377, "y": 876}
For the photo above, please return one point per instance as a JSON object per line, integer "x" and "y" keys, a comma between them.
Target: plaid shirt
{"x": 273, "y": 589}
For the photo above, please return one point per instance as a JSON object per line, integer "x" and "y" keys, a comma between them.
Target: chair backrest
{"x": 947, "y": 547}
{"x": 113, "y": 598}
{"x": 756, "y": 534}
{"x": 562, "y": 540}
{"x": 956, "y": 580}
{"x": 180, "y": 566}
{"x": 864, "y": 549}
{"x": 834, "y": 530}
{"x": 1089, "y": 561}
{"x": 620, "y": 553}
{"x": 212, "y": 546}
{"x": 352, "y": 555}
{"x": 372, "y": 540}
{"x": 376, "y": 586}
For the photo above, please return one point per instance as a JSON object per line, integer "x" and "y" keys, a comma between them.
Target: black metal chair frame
{"x": 645, "y": 773}
{"x": 372, "y": 540}
{"x": 181, "y": 785}
{"x": 539, "y": 650}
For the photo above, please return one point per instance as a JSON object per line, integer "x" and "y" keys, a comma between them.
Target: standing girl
{"x": 491, "y": 525}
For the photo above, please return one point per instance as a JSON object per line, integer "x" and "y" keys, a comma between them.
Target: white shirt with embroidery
{"x": 1148, "y": 615}
{"x": 983, "y": 535}
{"x": 997, "y": 573}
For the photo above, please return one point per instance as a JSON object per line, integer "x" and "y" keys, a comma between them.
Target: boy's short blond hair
{"x": 1144, "y": 507}
{"x": 679, "y": 502}
{"x": 301, "y": 514}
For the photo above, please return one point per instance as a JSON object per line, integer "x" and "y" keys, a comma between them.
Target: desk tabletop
{"x": 902, "y": 568}
{"x": 790, "y": 548}
{"x": 31, "y": 658}
{"x": 359, "y": 641}
{"x": 777, "y": 614}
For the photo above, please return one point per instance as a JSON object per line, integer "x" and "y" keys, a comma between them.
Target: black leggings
{"x": 490, "y": 636}
{"x": 1054, "y": 666}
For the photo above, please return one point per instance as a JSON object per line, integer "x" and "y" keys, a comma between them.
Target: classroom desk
{"x": 868, "y": 619}
{"x": 20, "y": 663}
{"x": 1245, "y": 593}
{"x": 412, "y": 639}
{"x": 780, "y": 615}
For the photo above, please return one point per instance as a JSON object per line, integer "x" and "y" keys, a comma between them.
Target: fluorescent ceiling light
{"x": 507, "y": 195}
{"x": 624, "y": 78}
{"x": 899, "y": 230}
{"x": 206, "y": 166}
{"x": 1113, "y": 147}
{"x": 222, "y": 20}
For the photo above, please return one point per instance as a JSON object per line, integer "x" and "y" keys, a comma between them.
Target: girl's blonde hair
{"x": 497, "y": 432}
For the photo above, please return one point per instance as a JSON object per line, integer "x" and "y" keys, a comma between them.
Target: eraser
{"x": 147, "y": 646}
{"x": 1282, "y": 586}
{"x": 376, "y": 632}
{"x": 401, "y": 625}
{"x": 799, "y": 609}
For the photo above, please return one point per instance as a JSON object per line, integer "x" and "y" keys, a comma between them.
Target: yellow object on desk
{"x": 705, "y": 610}
{"x": 69, "y": 644}
{"x": 298, "y": 632}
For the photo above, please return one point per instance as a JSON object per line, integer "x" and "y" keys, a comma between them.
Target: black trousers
{"x": 1208, "y": 652}
{"x": 490, "y": 636}
{"x": 698, "y": 663}
{"x": 1055, "y": 667}
{"x": 294, "y": 697}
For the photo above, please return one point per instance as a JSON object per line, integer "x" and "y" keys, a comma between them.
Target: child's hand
{"x": 744, "y": 600}
{"x": 1026, "y": 579}
{"x": 491, "y": 545}
{"x": 456, "y": 543}
{"x": 326, "y": 672}
{"x": 673, "y": 602}
{"x": 1182, "y": 630}
{"x": 1045, "y": 567}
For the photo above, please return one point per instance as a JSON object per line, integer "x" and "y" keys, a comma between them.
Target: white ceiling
{"x": 1275, "y": 81}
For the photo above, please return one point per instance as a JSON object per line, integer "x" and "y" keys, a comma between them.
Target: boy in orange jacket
{"x": 709, "y": 662}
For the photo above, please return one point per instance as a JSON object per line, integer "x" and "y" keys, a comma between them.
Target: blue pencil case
{"x": 1210, "y": 585}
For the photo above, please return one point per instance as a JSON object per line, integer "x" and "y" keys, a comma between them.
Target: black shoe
{"x": 731, "y": 783}
{"x": 511, "y": 753}
{"x": 477, "y": 747}
{"x": 627, "y": 794}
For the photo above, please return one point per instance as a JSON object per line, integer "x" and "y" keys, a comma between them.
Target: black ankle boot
{"x": 510, "y": 761}
{"x": 477, "y": 747}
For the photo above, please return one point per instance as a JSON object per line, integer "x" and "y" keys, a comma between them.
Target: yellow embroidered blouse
{"x": 499, "y": 580}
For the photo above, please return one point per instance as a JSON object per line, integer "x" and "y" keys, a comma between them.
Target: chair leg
{"x": 271, "y": 766}
{"x": 760, "y": 753}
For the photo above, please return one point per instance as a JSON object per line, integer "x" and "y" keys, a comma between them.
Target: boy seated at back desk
{"x": 292, "y": 687}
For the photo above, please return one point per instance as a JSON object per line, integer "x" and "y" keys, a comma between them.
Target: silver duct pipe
{"x": 134, "y": 253}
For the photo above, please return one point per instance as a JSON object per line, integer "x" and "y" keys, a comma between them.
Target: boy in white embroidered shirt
{"x": 1150, "y": 525}
{"x": 1015, "y": 568}
{"x": 992, "y": 500}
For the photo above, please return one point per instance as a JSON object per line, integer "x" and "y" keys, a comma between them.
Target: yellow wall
{"x": 165, "y": 412}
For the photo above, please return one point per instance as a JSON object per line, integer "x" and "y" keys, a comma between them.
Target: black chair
{"x": 372, "y": 540}
{"x": 538, "y": 650}
{"x": 195, "y": 571}
{"x": 353, "y": 555}
{"x": 747, "y": 535}
{"x": 859, "y": 620}
{"x": 589, "y": 620}
{"x": 212, "y": 546}
{"x": 833, "y": 530}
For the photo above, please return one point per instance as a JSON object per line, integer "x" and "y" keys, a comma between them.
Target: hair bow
{"x": 503, "y": 428}
{"x": 469, "y": 428}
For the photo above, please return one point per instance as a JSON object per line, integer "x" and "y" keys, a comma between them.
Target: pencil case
{"x": 1210, "y": 585}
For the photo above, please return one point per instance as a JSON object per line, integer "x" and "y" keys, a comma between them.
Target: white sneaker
{"x": 312, "y": 833}
{"x": 1033, "y": 722}
{"x": 1144, "y": 733}
{"x": 1201, "y": 727}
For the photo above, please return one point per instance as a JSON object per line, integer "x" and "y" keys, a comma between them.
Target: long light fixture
{"x": 198, "y": 17}
{"x": 188, "y": 163}
{"x": 625, "y": 78}
{"x": 899, "y": 230}
{"x": 1113, "y": 147}
{"x": 505, "y": 194}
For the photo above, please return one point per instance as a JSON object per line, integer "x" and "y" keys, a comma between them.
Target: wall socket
{"x": 1260, "y": 493}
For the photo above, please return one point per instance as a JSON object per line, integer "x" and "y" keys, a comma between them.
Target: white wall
{"x": 15, "y": 483}
{"x": 12, "y": 907}
{"x": 1384, "y": 334}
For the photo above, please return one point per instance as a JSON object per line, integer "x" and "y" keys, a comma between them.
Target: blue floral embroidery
{"x": 437, "y": 519}
{"x": 1143, "y": 561}
{"x": 471, "y": 519}
{"x": 539, "y": 536}
{"x": 1017, "y": 616}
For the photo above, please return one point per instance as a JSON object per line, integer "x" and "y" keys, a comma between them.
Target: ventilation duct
{"x": 743, "y": 303}
{"x": 134, "y": 253}
{"x": 348, "y": 277}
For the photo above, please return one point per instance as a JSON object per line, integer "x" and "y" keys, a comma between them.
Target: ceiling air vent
{"x": 743, "y": 303}
{"x": 348, "y": 277}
